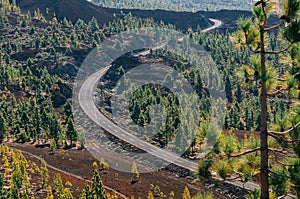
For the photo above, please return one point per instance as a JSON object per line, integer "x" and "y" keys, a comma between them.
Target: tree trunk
{"x": 264, "y": 184}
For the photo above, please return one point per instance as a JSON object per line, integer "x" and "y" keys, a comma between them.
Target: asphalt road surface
{"x": 87, "y": 104}
{"x": 217, "y": 24}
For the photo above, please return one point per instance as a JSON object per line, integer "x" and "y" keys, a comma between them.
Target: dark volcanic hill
{"x": 71, "y": 9}
{"x": 182, "y": 20}
{"x": 74, "y": 9}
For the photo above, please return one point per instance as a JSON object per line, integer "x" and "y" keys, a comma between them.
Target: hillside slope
{"x": 74, "y": 9}
{"x": 71, "y": 9}
{"x": 178, "y": 5}
{"x": 182, "y": 20}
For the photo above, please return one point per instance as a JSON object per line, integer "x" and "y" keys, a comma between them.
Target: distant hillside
{"x": 182, "y": 20}
{"x": 177, "y": 5}
{"x": 74, "y": 9}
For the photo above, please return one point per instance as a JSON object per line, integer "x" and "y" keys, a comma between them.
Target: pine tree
{"x": 93, "y": 25}
{"x": 186, "y": 193}
{"x": 3, "y": 127}
{"x": 44, "y": 173}
{"x": 228, "y": 89}
{"x": 2, "y": 191}
{"x": 181, "y": 142}
{"x": 37, "y": 43}
{"x": 74, "y": 39}
{"x": 97, "y": 37}
{"x": 271, "y": 72}
{"x": 67, "y": 194}
{"x": 68, "y": 112}
{"x": 87, "y": 192}
{"x": 58, "y": 185}
{"x": 253, "y": 157}
{"x": 134, "y": 171}
{"x": 49, "y": 193}
{"x": 97, "y": 186}
{"x": 239, "y": 95}
{"x": 56, "y": 130}
{"x": 71, "y": 131}
{"x": 24, "y": 195}
{"x": 14, "y": 192}
{"x": 253, "y": 34}
{"x": 150, "y": 195}
{"x": 16, "y": 181}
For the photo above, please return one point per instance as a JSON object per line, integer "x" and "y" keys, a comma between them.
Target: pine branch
{"x": 245, "y": 153}
{"x": 232, "y": 179}
{"x": 238, "y": 173}
{"x": 281, "y": 79}
{"x": 277, "y": 92}
{"x": 281, "y": 51}
{"x": 263, "y": 5}
{"x": 278, "y": 161}
{"x": 277, "y": 151}
{"x": 276, "y": 173}
{"x": 283, "y": 196}
{"x": 274, "y": 27}
{"x": 285, "y": 132}
{"x": 285, "y": 153}
{"x": 251, "y": 49}
{"x": 282, "y": 139}
{"x": 248, "y": 45}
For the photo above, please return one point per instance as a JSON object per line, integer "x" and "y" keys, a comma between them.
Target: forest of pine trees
{"x": 260, "y": 70}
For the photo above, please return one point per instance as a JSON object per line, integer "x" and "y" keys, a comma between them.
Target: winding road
{"x": 89, "y": 107}
{"x": 217, "y": 24}
{"x": 86, "y": 102}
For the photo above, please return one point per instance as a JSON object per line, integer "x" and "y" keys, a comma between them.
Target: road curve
{"x": 217, "y": 24}
{"x": 86, "y": 102}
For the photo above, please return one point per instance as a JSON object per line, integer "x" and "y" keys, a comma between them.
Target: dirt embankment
{"x": 80, "y": 163}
